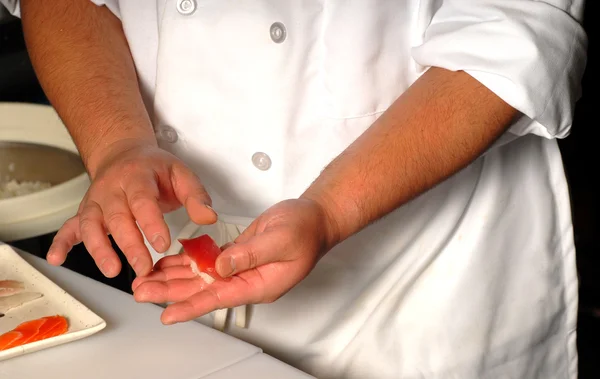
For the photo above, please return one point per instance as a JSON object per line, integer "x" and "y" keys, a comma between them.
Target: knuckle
{"x": 128, "y": 246}
{"x": 68, "y": 226}
{"x": 199, "y": 190}
{"x": 181, "y": 175}
{"x": 139, "y": 201}
{"x": 115, "y": 220}
{"x": 72, "y": 221}
{"x": 216, "y": 296}
{"x": 94, "y": 246}
{"x": 86, "y": 223}
{"x": 100, "y": 185}
{"x": 179, "y": 168}
{"x": 252, "y": 257}
{"x": 169, "y": 292}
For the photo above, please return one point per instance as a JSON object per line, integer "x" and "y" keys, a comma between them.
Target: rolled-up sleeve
{"x": 113, "y": 5}
{"x": 530, "y": 53}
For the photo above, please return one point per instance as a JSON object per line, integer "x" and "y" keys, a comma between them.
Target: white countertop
{"x": 135, "y": 344}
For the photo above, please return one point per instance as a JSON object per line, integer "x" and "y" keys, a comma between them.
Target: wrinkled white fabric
{"x": 474, "y": 279}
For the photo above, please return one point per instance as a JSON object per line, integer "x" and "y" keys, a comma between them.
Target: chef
{"x": 386, "y": 171}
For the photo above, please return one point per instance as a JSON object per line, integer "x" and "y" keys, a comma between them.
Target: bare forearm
{"x": 83, "y": 62}
{"x": 440, "y": 125}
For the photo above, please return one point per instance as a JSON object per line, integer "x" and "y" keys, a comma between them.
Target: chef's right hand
{"x": 133, "y": 182}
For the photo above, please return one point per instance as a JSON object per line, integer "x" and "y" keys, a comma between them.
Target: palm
{"x": 288, "y": 233}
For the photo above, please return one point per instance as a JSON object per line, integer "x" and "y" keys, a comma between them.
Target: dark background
{"x": 18, "y": 83}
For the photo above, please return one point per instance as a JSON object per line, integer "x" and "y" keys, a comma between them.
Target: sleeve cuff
{"x": 529, "y": 53}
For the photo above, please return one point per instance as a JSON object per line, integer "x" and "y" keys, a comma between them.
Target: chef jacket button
{"x": 168, "y": 134}
{"x": 261, "y": 161}
{"x": 186, "y": 7}
{"x": 278, "y": 32}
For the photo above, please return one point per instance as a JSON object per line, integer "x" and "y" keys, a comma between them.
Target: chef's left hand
{"x": 270, "y": 257}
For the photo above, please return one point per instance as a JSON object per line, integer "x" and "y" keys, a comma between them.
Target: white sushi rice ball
{"x": 207, "y": 278}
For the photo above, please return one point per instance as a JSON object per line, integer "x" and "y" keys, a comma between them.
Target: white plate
{"x": 82, "y": 321}
{"x": 44, "y": 211}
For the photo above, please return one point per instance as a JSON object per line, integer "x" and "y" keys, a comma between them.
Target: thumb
{"x": 256, "y": 251}
{"x": 192, "y": 195}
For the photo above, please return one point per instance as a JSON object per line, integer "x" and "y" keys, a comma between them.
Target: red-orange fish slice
{"x": 34, "y": 330}
{"x": 30, "y": 330}
{"x": 54, "y": 326}
{"x": 8, "y": 340}
{"x": 27, "y": 330}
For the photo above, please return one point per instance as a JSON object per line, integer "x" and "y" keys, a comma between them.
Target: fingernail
{"x": 229, "y": 270}
{"x": 133, "y": 262}
{"x": 51, "y": 254}
{"x": 139, "y": 296}
{"x": 107, "y": 267}
{"x": 166, "y": 320}
{"x": 210, "y": 208}
{"x": 159, "y": 243}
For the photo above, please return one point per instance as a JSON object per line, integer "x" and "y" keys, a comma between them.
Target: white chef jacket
{"x": 474, "y": 279}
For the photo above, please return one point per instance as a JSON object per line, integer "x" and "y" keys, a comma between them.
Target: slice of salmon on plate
{"x": 35, "y": 313}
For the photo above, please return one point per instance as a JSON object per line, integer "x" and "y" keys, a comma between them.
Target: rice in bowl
{"x": 13, "y": 188}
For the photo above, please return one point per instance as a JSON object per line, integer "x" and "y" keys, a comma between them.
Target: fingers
{"x": 64, "y": 240}
{"x": 248, "y": 233}
{"x": 256, "y": 251}
{"x": 123, "y": 228}
{"x": 190, "y": 192}
{"x": 169, "y": 273}
{"x": 93, "y": 234}
{"x": 172, "y": 260}
{"x": 192, "y": 300}
{"x": 169, "y": 291}
{"x": 142, "y": 197}
{"x": 175, "y": 282}
{"x": 218, "y": 295}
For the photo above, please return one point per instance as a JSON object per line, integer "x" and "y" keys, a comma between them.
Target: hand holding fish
{"x": 270, "y": 257}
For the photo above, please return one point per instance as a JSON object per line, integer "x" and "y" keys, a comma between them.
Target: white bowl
{"x": 45, "y": 211}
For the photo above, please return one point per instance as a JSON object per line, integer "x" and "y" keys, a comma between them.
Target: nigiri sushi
{"x": 34, "y": 330}
{"x": 10, "y": 287}
{"x": 203, "y": 253}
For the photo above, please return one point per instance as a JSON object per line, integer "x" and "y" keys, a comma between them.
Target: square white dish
{"x": 55, "y": 301}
